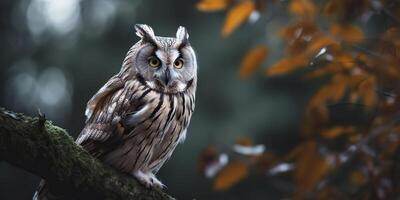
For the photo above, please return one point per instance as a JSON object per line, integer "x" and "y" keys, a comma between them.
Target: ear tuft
{"x": 182, "y": 36}
{"x": 145, "y": 32}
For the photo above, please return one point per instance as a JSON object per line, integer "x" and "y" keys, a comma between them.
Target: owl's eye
{"x": 178, "y": 63}
{"x": 154, "y": 62}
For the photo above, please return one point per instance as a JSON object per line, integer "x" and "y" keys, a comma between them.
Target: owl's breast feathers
{"x": 133, "y": 127}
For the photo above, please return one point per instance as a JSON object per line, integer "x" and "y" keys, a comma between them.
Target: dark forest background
{"x": 55, "y": 54}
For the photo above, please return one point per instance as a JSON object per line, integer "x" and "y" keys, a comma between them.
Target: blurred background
{"x": 55, "y": 54}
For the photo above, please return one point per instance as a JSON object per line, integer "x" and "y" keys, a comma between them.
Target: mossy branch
{"x": 38, "y": 146}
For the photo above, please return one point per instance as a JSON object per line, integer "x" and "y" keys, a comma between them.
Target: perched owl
{"x": 135, "y": 121}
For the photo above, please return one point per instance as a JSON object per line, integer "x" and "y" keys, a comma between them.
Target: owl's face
{"x": 165, "y": 64}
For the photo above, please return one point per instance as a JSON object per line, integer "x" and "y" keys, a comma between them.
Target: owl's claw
{"x": 156, "y": 183}
{"x": 143, "y": 178}
{"x": 148, "y": 180}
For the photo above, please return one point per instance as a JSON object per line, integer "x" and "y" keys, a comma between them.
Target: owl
{"x": 135, "y": 121}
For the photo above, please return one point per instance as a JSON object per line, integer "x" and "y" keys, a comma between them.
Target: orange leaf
{"x": 212, "y": 5}
{"x": 347, "y": 32}
{"x": 266, "y": 160}
{"x": 344, "y": 60}
{"x": 303, "y": 8}
{"x": 236, "y": 16}
{"x": 306, "y": 154}
{"x": 252, "y": 61}
{"x": 230, "y": 175}
{"x": 311, "y": 167}
{"x": 207, "y": 156}
{"x": 333, "y": 91}
{"x": 302, "y": 28}
{"x": 336, "y": 131}
{"x": 346, "y": 7}
{"x": 316, "y": 115}
{"x": 244, "y": 141}
{"x": 332, "y": 132}
{"x": 354, "y": 138}
{"x": 287, "y": 65}
{"x": 294, "y": 152}
{"x": 367, "y": 91}
{"x": 331, "y": 8}
{"x": 337, "y": 87}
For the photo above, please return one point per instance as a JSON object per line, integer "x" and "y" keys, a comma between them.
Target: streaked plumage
{"x": 135, "y": 121}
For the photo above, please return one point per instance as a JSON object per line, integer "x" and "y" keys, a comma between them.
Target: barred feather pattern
{"x": 151, "y": 141}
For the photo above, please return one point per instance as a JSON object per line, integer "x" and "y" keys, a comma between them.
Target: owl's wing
{"x": 114, "y": 84}
{"x": 101, "y": 137}
{"x": 110, "y": 117}
{"x": 98, "y": 122}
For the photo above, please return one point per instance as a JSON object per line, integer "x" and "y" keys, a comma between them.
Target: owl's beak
{"x": 166, "y": 77}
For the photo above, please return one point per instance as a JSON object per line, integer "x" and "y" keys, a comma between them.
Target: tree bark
{"x": 38, "y": 146}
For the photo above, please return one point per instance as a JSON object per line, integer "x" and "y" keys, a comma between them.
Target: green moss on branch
{"x": 38, "y": 146}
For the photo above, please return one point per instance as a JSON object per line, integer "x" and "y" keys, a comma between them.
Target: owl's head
{"x": 166, "y": 64}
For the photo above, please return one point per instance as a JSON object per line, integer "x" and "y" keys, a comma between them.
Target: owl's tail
{"x": 42, "y": 191}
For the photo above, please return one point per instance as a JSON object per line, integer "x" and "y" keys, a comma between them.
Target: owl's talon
{"x": 149, "y": 180}
{"x": 159, "y": 185}
{"x": 143, "y": 178}
{"x": 156, "y": 183}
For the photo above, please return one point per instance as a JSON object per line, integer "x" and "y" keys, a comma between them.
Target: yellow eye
{"x": 154, "y": 62}
{"x": 178, "y": 63}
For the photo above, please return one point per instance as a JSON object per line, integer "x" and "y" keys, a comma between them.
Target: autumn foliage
{"x": 330, "y": 41}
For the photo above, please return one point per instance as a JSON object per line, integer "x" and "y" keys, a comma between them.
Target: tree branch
{"x": 41, "y": 148}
